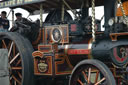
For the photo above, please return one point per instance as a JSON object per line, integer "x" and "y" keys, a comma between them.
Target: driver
{"x": 21, "y": 25}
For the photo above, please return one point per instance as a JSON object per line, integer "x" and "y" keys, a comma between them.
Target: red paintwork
{"x": 78, "y": 51}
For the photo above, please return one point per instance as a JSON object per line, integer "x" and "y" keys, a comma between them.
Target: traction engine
{"x": 63, "y": 50}
{"x": 80, "y": 45}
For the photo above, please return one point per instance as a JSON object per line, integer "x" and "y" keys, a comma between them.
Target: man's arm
{"x": 8, "y": 25}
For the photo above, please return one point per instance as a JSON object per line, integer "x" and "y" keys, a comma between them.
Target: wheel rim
{"x": 88, "y": 75}
{"x": 15, "y": 62}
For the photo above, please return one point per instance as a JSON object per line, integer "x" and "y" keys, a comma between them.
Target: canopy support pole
{"x": 41, "y": 15}
{"x": 9, "y": 13}
{"x": 62, "y": 14}
{"x": 12, "y": 17}
{"x": 41, "y": 25}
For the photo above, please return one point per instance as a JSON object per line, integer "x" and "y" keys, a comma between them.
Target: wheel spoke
{"x": 100, "y": 81}
{"x": 5, "y": 46}
{"x": 19, "y": 75}
{"x": 9, "y": 52}
{"x": 16, "y": 79}
{"x": 80, "y": 82}
{"x": 89, "y": 75}
{"x": 10, "y": 78}
{"x": 14, "y": 50}
{"x": 10, "y": 83}
{"x": 97, "y": 75}
{"x": 85, "y": 76}
{"x": 18, "y": 62}
{"x": 15, "y": 82}
{"x": 16, "y": 68}
{"x": 14, "y": 58}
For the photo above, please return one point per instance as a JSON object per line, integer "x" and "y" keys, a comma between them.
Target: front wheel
{"x": 91, "y": 72}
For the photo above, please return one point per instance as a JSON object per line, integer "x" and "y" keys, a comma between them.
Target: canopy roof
{"x": 33, "y": 5}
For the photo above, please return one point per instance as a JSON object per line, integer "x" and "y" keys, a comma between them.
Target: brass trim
{"x": 66, "y": 49}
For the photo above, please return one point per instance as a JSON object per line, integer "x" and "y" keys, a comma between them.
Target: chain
{"x": 93, "y": 21}
{"x": 122, "y": 9}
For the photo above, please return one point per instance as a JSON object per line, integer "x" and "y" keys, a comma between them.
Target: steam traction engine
{"x": 66, "y": 51}
{"x": 78, "y": 43}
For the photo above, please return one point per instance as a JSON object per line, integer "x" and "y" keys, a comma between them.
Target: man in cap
{"x": 21, "y": 25}
{"x": 18, "y": 17}
{"x": 4, "y": 22}
{"x": 25, "y": 27}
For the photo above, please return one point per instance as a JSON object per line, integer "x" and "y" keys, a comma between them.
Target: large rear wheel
{"x": 91, "y": 72}
{"x": 20, "y": 58}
